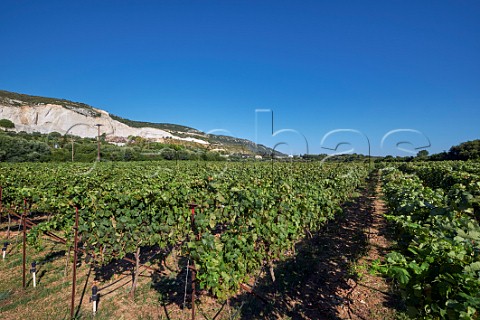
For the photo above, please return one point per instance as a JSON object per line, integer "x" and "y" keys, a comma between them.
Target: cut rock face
{"x": 49, "y": 118}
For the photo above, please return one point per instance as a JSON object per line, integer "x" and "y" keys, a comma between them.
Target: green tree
{"x": 168, "y": 153}
{"x": 14, "y": 149}
{"x": 6, "y": 124}
{"x": 465, "y": 151}
{"x": 422, "y": 154}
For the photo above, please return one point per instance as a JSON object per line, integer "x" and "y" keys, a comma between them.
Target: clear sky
{"x": 371, "y": 67}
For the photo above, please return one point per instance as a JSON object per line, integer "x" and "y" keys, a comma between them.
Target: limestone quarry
{"x": 46, "y": 115}
{"x": 47, "y": 118}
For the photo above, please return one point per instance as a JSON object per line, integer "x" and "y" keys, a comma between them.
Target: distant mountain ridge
{"x": 46, "y": 115}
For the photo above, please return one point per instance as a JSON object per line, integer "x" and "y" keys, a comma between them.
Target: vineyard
{"x": 228, "y": 221}
{"x": 224, "y": 224}
{"x": 435, "y": 210}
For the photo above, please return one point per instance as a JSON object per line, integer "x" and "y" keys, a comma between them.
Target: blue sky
{"x": 370, "y": 67}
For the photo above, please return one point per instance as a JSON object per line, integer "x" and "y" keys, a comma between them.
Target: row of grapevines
{"x": 459, "y": 180}
{"x": 437, "y": 265}
{"x": 247, "y": 215}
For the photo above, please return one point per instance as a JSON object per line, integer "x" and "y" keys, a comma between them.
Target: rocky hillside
{"x": 47, "y": 115}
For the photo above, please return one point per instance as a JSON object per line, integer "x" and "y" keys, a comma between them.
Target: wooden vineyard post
{"x": 135, "y": 273}
{"x": 75, "y": 228}
{"x": 24, "y": 251}
{"x": 273, "y": 168}
{"x": 193, "y": 273}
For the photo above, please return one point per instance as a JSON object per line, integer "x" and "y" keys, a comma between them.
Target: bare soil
{"x": 369, "y": 296}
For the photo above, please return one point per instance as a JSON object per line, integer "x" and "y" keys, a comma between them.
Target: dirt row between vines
{"x": 369, "y": 295}
{"x": 330, "y": 277}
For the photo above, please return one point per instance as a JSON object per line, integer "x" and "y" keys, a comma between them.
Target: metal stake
{"x": 24, "y": 227}
{"x": 1, "y": 204}
{"x": 193, "y": 290}
{"x": 186, "y": 283}
{"x": 192, "y": 208}
{"x": 74, "y": 264}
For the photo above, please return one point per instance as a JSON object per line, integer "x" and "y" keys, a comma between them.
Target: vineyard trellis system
{"x": 245, "y": 218}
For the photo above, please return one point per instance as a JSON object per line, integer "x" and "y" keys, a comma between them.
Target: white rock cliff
{"x": 56, "y": 118}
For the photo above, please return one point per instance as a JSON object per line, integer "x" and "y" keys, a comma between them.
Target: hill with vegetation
{"x": 29, "y": 114}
